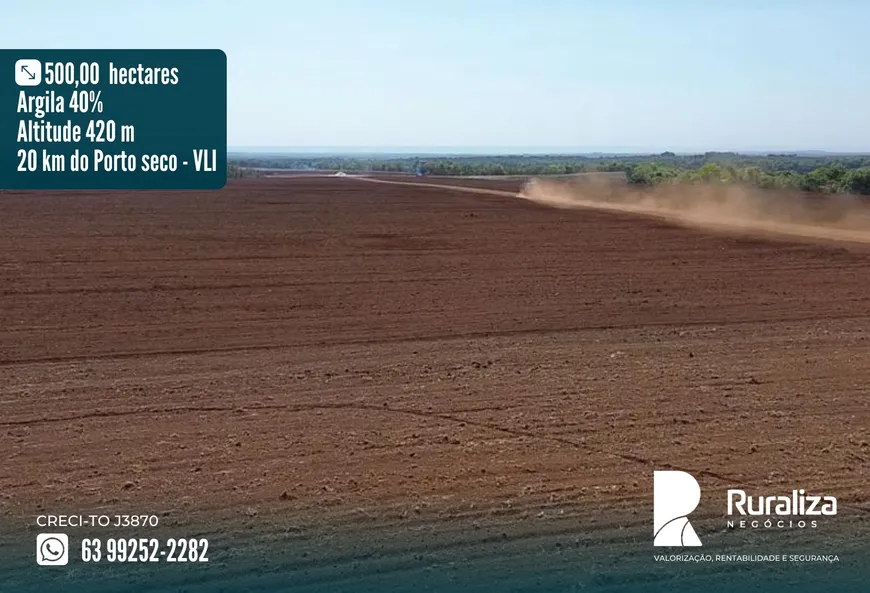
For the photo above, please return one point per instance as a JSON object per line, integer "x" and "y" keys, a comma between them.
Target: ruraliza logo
{"x": 675, "y": 495}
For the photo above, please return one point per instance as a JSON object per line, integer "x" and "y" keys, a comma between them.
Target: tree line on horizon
{"x": 235, "y": 171}
{"x": 830, "y": 178}
{"x": 818, "y": 174}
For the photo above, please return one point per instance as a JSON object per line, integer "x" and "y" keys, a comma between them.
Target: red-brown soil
{"x": 312, "y": 348}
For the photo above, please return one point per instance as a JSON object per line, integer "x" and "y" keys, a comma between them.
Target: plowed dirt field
{"x": 317, "y": 351}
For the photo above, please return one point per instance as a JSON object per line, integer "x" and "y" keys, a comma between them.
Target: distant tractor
{"x": 419, "y": 169}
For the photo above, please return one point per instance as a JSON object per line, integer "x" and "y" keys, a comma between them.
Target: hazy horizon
{"x": 509, "y": 151}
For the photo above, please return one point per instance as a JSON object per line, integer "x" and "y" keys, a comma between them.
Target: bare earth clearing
{"x": 315, "y": 351}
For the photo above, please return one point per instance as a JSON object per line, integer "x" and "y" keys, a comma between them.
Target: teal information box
{"x": 113, "y": 119}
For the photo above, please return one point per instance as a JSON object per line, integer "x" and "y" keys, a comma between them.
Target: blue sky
{"x": 617, "y": 75}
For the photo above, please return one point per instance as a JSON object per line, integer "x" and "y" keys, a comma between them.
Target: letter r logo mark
{"x": 675, "y": 495}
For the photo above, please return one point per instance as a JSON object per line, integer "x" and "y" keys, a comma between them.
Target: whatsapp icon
{"x": 52, "y": 549}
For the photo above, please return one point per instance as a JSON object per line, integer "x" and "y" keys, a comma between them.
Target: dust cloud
{"x": 728, "y": 208}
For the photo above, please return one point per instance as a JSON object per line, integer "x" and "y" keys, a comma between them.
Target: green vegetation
{"x": 237, "y": 172}
{"x": 819, "y": 174}
{"x": 829, "y": 178}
